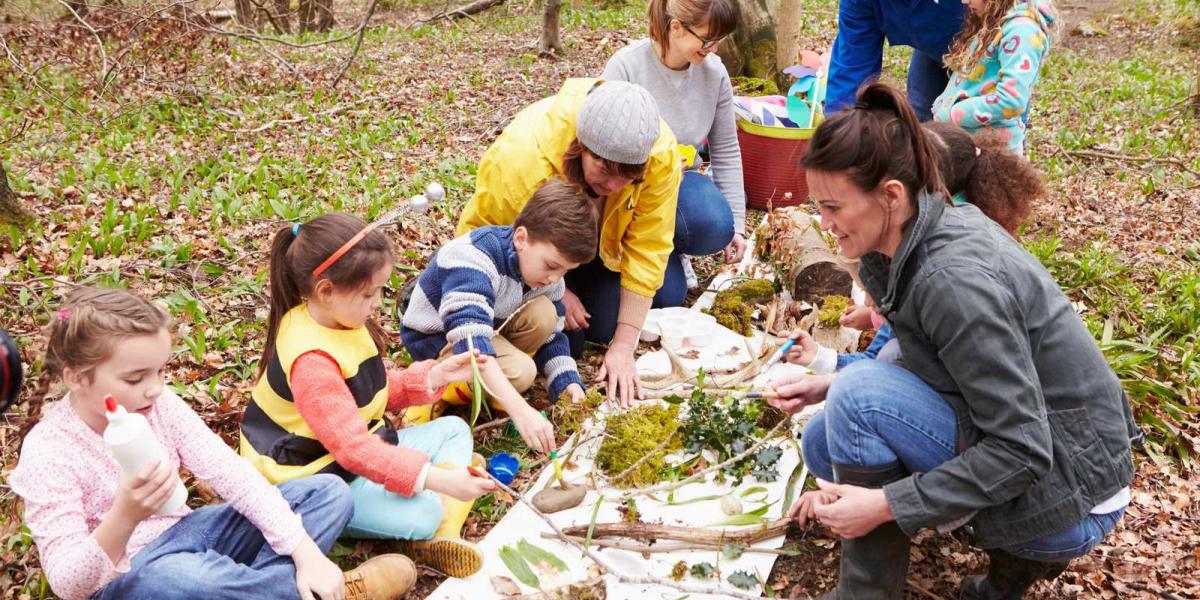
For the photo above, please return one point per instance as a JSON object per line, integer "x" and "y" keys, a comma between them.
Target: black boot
{"x": 874, "y": 566}
{"x": 1008, "y": 577}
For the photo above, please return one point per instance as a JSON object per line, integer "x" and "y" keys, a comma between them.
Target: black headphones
{"x": 10, "y": 371}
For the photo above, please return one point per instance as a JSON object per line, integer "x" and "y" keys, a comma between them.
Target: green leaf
{"x": 587, "y": 540}
{"x": 754, "y": 491}
{"x": 535, "y": 555}
{"x": 703, "y": 570}
{"x": 673, "y": 399}
{"x": 519, "y": 568}
{"x": 672, "y": 502}
{"x": 476, "y": 383}
{"x": 733, "y": 551}
{"x": 744, "y": 580}
{"x": 798, "y": 474}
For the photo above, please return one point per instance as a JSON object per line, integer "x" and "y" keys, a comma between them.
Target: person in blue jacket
{"x": 928, "y": 26}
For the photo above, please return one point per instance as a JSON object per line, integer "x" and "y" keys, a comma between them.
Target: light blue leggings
{"x": 380, "y": 514}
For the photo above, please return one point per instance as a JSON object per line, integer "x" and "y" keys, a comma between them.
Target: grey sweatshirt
{"x": 697, "y": 103}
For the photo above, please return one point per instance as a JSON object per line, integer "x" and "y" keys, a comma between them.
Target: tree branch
{"x": 361, "y": 31}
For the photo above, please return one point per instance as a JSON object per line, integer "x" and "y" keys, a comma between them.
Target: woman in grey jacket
{"x": 1002, "y": 413}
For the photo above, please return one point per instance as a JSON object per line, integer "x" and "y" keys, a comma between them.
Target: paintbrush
{"x": 779, "y": 354}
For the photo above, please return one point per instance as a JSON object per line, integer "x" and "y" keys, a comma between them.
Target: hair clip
{"x": 64, "y": 314}
{"x": 978, "y": 151}
{"x": 862, "y": 105}
{"x": 295, "y": 229}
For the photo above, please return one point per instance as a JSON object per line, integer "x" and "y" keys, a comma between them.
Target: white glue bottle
{"x": 132, "y": 442}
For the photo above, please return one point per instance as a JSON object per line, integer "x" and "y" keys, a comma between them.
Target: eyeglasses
{"x": 705, "y": 43}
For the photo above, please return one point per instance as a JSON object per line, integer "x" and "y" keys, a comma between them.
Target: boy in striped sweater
{"x": 501, "y": 287}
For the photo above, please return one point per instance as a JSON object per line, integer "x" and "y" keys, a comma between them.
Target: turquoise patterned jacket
{"x": 995, "y": 94}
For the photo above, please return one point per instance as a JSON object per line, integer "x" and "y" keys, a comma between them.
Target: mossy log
{"x": 807, "y": 260}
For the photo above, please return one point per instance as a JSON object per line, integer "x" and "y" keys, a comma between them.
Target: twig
{"x": 668, "y": 548}
{"x": 924, "y": 590}
{"x": 99, "y": 42}
{"x": 492, "y": 424}
{"x": 361, "y": 31}
{"x": 462, "y": 12}
{"x": 341, "y": 108}
{"x": 652, "y": 531}
{"x": 623, "y": 578}
{"x": 1136, "y": 159}
{"x": 700, "y": 475}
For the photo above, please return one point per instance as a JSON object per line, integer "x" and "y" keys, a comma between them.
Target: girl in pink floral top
{"x": 96, "y": 531}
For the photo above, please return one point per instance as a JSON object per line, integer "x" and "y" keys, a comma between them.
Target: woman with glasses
{"x": 680, "y": 68}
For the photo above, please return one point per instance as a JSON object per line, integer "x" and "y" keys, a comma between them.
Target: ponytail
{"x": 1002, "y": 184}
{"x": 878, "y": 139}
{"x": 298, "y": 250}
{"x": 285, "y": 292}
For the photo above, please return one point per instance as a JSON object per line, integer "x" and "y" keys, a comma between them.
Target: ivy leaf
{"x": 732, "y": 551}
{"x": 703, "y": 570}
{"x": 519, "y": 568}
{"x": 744, "y": 580}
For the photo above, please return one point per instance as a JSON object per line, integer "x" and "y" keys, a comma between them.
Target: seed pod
{"x": 730, "y": 505}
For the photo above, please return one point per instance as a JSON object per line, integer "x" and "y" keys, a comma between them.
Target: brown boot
{"x": 385, "y": 577}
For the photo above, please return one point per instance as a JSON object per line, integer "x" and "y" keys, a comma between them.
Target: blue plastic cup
{"x": 504, "y": 466}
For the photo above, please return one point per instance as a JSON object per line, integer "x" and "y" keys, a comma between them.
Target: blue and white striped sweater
{"x": 471, "y": 286}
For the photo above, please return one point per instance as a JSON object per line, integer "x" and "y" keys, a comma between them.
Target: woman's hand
{"x": 141, "y": 496}
{"x": 795, "y": 391}
{"x": 736, "y": 249}
{"x": 805, "y": 507}
{"x": 316, "y": 575}
{"x": 536, "y": 430}
{"x": 856, "y": 512}
{"x": 804, "y": 351}
{"x": 856, "y": 316}
{"x": 455, "y": 368}
{"x": 577, "y": 316}
{"x": 458, "y": 483}
{"x": 620, "y": 371}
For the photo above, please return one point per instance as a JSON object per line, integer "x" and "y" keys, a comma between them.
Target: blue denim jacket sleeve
{"x": 881, "y": 337}
{"x": 857, "y": 52}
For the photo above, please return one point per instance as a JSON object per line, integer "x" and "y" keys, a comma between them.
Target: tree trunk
{"x": 316, "y": 15}
{"x": 1196, "y": 92}
{"x": 787, "y": 33}
{"x": 281, "y": 18}
{"x": 246, "y": 13}
{"x": 549, "y": 44}
{"x": 11, "y": 210}
{"x": 751, "y": 51}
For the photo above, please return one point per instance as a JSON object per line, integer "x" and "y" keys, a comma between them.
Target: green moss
{"x": 734, "y": 307}
{"x": 831, "y": 311}
{"x": 679, "y": 570}
{"x": 634, "y": 434}
{"x": 754, "y": 86}
{"x": 569, "y": 416}
{"x": 760, "y": 59}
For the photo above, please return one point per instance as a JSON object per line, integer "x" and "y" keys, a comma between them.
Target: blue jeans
{"x": 380, "y": 514}
{"x": 927, "y": 79}
{"x": 878, "y": 413}
{"x": 215, "y": 552}
{"x": 703, "y": 225}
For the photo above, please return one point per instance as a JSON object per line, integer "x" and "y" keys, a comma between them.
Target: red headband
{"x": 343, "y": 250}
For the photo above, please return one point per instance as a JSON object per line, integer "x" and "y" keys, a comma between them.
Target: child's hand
{"x": 458, "y": 483}
{"x": 455, "y": 368}
{"x": 316, "y": 575}
{"x": 804, "y": 351}
{"x": 140, "y": 496}
{"x": 856, "y": 316}
{"x": 576, "y": 392}
{"x": 535, "y": 429}
{"x": 806, "y": 506}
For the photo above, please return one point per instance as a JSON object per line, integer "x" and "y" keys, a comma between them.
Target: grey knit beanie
{"x": 618, "y": 122}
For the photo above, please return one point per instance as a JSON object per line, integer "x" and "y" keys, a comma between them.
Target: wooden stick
{"x": 667, "y": 548}
{"x": 653, "y": 531}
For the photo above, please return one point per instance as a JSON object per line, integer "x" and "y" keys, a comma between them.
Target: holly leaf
{"x": 733, "y": 551}
{"x": 768, "y": 456}
{"x": 703, "y": 570}
{"x": 744, "y": 580}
